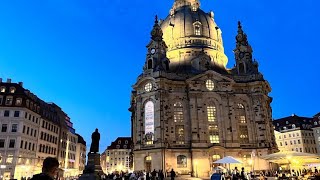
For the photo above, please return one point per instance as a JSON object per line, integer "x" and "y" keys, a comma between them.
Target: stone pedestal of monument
{"x": 93, "y": 169}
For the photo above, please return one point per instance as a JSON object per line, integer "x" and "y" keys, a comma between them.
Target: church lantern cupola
{"x": 245, "y": 64}
{"x": 156, "y": 59}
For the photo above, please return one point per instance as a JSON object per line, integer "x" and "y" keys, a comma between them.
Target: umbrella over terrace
{"x": 228, "y": 160}
{"x": 292, "y": 157}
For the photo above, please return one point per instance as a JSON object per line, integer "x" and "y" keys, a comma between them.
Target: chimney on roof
{"x": 8, "y": 80}
{"x": 21, "y": 84}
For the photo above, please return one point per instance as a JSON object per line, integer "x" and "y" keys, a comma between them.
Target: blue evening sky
{"x": 85, "y": 55}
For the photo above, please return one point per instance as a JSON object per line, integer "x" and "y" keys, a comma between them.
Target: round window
{"x": 148, "y": 87}
{"x": 210, "y": 85}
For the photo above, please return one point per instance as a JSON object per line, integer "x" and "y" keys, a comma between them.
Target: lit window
{"x": 214, "y": 139}
{"x": 214, "y": 134}
{"x": 180, "y": 134}
{"x": 197, "y": 30}
{"x": 178, "y": 112}
{"x": 18, "y": 101}
{"x": 3, "y": 89}
{"x": 148, "y": 158}
{"x": 243, "y": 119}
{"x": 293, "y": 126}
{"x": 9, "y": 159}
{"x": 244, "y": 137}
{"x": 216, "y": 157}
{"x": 9, "y": 100}
{"x": 211, "y": 113}
{"x": 210, "y": 84}
{"x": 12, "y": 89}
{"x": 148, "y": 87}
{"x": 240, "y": 106}
{"x": 194, "y": 8}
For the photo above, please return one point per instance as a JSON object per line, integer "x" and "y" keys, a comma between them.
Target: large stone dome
{"x": 188, "y": 31}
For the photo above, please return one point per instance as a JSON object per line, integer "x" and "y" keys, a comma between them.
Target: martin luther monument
{"x": 93, "y": 169}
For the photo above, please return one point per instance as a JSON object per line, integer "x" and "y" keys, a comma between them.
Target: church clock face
{"x": 210, "y": 85}
{"x": 153, "y": 51}
{"x": 148, "y": 87}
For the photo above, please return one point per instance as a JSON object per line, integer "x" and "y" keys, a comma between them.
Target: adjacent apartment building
{"x": 31, "y": 130}
{"x": 295, "y": 133}
{"x": 118, "y": 156}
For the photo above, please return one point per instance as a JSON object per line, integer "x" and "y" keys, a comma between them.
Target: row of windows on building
{"x": 29, "y": 131}
{"x": 50, "y": 138}
{"x": 5, "y": 127}
{"x": 8, "y": 101}
{"x": 27, "y": 145}
{"x": 298, "y": 142}
{"x": 70, "y": 155}
{"x": 116, "y": 153}
{"x": 11, "y": 143}
{"x": 296, "y": 135}
{"x": 50, "y": 127}
{"x": 127, "y": 165}
{"x": 115, "y": 159}
{"x": 7, "y": 113}
{"x": 31, "y": 117}
{"x": 307, "y": 150}
{"x": 47, "y": 149}
{"x": 213, "y": 130}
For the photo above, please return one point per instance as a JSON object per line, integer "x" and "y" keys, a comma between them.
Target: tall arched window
{"x": 149, "y": 122}
{"x": 213, "y": 130}
{"x": 179, "y": 122}
{"x": 242, "y": 120}
{"x": 178, "y": 112}
{"x": 197, "y": 28}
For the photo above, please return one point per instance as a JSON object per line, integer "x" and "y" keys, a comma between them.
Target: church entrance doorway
{"x": 147, "y": 163}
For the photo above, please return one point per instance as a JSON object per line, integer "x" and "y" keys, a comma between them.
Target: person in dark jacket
{"x": 172, "y": 174}
{"x": 50, "y": 169}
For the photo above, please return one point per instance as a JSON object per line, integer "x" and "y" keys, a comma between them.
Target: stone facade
{"x": 188, "y": 109}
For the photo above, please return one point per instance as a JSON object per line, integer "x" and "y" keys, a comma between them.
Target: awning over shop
{"x": 292, "y": 157}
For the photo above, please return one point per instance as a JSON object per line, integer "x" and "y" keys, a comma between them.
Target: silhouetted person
{"x": 50, "y": 169}
{"x": 161, "y": 175}
{"x": 172, "y": 174}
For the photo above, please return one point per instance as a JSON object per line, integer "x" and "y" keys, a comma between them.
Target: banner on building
{"x": 149, "y": 120}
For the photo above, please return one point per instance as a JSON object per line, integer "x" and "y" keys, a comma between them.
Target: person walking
{"x": 172, "y": 174}
{"x": 161, "y": 175}
{"x": 50, "y": 169}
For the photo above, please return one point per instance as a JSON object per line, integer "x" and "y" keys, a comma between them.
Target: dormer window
{"x": 293, "y": 126}
{"x": 12, "y": 89}
{"x": 197, "y": 28}
{"x": 9, "y": 100}
{"x": 3, "y": 89}
{"x": 287, "y": 122}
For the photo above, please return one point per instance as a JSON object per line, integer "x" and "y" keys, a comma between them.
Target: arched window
{"x": 182, "y": 161}
{"x": 179, "y": 122}
{"x": 211, "y": 113}
{"x": 197, "y": 28}
{"x": 150, "y": 64}
{"x": 216, "y": 157}
{"x": 178, "y": 112}
{"x": 149, "y": 122}
{"x": 243, "y": 128}
{"x": 213, "y": 130}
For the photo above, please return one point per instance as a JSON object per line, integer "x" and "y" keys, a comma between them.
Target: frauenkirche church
{"x": 188, "y": 108}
